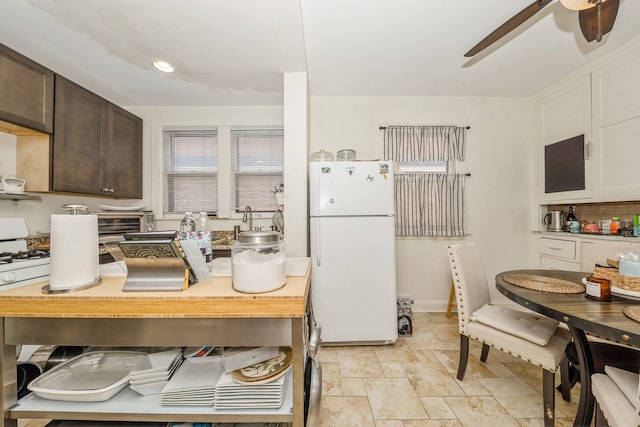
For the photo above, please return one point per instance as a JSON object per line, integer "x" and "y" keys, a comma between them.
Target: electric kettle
{"x": 554, "y": 220}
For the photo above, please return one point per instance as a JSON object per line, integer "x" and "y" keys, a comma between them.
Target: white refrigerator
{"x": 352, "y": 238}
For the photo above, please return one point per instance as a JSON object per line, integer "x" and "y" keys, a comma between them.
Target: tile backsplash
{"x": 591, "y": 212}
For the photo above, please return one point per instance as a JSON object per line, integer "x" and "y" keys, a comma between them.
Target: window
{"x": 223, "y": 170}
{"x": 190, "y": 171}
{"x": 257, "y": 159}
{"x": 429, "y": 192}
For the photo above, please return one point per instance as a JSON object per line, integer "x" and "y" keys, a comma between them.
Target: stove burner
{"x": 31, "y": 254}
{"x": 6, "y": 257}
{"x": 9, "y": 257}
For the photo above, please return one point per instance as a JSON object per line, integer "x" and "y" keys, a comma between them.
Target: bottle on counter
{"x": 614, "y": 227}
{"x": 573, "y": 225}
{"x": 626, "y": 227}
{"x": 634, "y": 231}
{"x": 188, "y": 227}
{"x": 204, "y": 236}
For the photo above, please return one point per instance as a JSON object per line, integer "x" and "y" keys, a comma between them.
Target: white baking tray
{"x": 90, "y": 377}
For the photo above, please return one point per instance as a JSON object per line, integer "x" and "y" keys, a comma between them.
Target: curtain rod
{"x": 384, "y": 127}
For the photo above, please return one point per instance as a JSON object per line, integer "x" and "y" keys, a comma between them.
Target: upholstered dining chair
{"x": 524, "y": 334}
{"x": 617, "y": 397}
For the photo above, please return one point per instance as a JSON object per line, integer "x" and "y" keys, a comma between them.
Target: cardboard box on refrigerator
{"x": 240, "y": 357}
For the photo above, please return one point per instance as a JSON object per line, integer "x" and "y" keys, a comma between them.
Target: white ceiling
{"x": 234, "y": 52}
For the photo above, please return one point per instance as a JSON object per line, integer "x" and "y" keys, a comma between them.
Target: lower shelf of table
{"x": 128, "y": 405}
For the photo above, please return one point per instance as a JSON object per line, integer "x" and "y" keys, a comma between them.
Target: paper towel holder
{"x": 46, "y": 289}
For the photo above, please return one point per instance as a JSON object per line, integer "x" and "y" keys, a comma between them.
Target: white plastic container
{"x": 322, "y": 156}
{"x": 628, "y": 268}
{"x": 90, "y": 377}
{"x": 258, "y": 262}
{"x": 346, "y": 155}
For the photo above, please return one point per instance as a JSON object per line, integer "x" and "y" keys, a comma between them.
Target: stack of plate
{"x": 152, "y": 373}
{"x": 232, "y": 395}
{"x": 194, "y": 383}
{"x": 257, "y": 386}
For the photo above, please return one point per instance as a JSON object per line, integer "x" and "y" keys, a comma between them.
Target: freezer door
{"x": 351, "y": 188}
{"x": 353, "y": 281}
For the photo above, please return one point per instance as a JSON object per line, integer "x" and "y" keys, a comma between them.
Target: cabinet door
{"x": 26, "y": 91}
{"x": 79, "y": 141}
{"x": 124, "y": 162}
{"x": 616, "y": 126}
{"x": 564, "y": 112}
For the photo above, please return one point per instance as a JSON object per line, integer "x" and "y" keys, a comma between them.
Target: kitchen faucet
{"x": 248, "y": 210}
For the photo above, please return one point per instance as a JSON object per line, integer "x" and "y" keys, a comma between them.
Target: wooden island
{"x": 208, "y": 313}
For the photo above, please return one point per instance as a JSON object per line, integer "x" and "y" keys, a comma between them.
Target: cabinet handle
{"x": 555, "y": 248}
{"x": 587, "y": 150}
{"x": 111, "y": 190}
{"x": 105, "y": 189}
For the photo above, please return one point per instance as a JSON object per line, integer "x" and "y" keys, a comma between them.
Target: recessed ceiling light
{"x": 163, "y": 66}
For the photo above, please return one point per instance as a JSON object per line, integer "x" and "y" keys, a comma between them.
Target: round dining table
{"x": 583, "y": 316}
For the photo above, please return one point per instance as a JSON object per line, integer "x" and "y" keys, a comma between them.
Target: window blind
{"x": 257, "y": 159}
{"x": 190, "y": 171}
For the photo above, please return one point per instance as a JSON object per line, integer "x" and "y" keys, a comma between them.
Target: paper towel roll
{"x": 74, "y": 251}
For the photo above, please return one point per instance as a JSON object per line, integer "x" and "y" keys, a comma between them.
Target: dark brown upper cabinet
{"x": 97, "y": 146}
{"x": 26, "y": 91}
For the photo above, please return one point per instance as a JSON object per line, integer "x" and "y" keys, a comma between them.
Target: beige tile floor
{"x": 413, "y": 384}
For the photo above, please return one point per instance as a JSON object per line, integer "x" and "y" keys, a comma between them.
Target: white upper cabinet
{"x": 616, "y": 127}
{"x": 603, "y": 104}
{"x": 563, "y": 124}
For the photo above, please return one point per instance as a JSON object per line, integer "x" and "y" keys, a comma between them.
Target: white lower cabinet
{"x": 548, "y": 263}
{"x": 559, "y": 254}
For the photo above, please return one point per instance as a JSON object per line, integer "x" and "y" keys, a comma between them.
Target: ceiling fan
{"x": 596, "y": 18}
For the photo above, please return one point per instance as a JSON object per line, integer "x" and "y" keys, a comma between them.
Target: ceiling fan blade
{"x": 588, "y": 19}
{"x": 508, "y": 26}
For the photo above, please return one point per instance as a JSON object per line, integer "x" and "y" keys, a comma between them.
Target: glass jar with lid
{"x": 258, "y": 262}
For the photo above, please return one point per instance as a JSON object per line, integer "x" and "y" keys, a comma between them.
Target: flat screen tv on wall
{"x": 564, "y": 165}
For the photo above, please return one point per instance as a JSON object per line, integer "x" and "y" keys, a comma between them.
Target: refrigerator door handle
{"x": 316, "y": 230}
{"x": 316, "y": 185}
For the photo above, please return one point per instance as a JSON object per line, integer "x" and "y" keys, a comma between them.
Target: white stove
{"x": 19, "y": 266}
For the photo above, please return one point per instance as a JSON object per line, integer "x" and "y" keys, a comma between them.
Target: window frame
{"x": 224, "y": 171}
{"x": 183, "y": 170}
{"x": 275, "y": 170}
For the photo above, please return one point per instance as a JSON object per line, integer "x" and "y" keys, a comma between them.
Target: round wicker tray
{"x": 544, "y": 284}
{"x": 632, "y": 312}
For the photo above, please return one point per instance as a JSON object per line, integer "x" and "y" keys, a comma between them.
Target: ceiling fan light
{"x": 163, "y": 66}
{"x": 578, "y": 4}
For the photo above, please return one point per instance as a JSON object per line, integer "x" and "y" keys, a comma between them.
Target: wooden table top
{"x": 211, "y": 299}
{"x": 603, "y": 319}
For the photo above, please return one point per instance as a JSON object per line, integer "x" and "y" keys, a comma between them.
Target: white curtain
{"x": 428, "y": 204}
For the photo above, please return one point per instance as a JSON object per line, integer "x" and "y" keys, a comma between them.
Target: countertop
{"x": 211, "y": 299}
{"x": 587, "y": 236}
